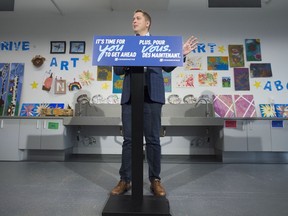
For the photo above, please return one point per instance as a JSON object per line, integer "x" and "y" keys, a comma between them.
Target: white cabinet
{"x": 235, "y": 136}
{"x": 248, "y": 135}
{"x": 9, "y": 131}
{"x": 42, "y": 134}
{"x": 279, "y": 136}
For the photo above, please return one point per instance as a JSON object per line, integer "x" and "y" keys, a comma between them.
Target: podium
{"x": 137, "y": 204}
{"x": 137, "y": 52}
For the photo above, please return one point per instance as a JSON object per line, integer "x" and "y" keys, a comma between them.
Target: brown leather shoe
{"x": 157, "y": 188}
{"x": 121, "y": 188}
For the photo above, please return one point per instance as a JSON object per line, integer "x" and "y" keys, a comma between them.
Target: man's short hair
{"x": 145, "y": 14}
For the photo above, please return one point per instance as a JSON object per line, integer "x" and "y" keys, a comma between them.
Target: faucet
{"x": 83, "y": 101}
{"x": 207, "y": 113}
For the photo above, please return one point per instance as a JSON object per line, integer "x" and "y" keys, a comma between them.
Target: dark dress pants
{"x": 152, "y": 126}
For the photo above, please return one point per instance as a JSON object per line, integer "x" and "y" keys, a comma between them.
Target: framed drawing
{"x": 57, "y": 47}
{"x": 77, "y": 47}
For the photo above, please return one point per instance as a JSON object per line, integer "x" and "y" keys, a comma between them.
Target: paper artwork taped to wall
{"x": 281, "y": 110}
{"x": 236, "y": 56}
{"x": 244, "y": 106}
{"x": 48, "y": 80}
{"x": 253, "y": 50}
{"x": 60, "y": 86}
{"x": 193, "y": 63}
{"x": 260, "y": 70}
{"x": 217, "y": 62}
{"x": 223, "y": 106}
{"x": 117, "y": 83}
{"x": 267, "y": 110}
{"x": 11, "y": 82}
{"x": 185, "y": 80}
{"x": 86, "y": 78}
{"x": 226, "y": 82}
{"x": 104, "y": 73}
{"x": 4, "y": 82}
{"x": 241, "y": 79}
{"x": 34, "y": 109}
{"x": 167, "y": 81}
{"x": 208, "y": 79}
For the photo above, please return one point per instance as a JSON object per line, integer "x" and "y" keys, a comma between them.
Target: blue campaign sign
{"x": 137, "y": 51}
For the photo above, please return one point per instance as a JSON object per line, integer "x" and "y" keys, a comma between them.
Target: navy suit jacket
{"x": 154, "y": 81}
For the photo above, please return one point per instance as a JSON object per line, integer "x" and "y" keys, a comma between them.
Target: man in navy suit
{"x": 154, "y": 98}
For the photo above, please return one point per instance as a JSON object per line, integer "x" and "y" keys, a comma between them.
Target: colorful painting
{"x": 241, "y": 79}
{"x": 16, "y": 75}
{"x": 244, "y": 106}
{"x": 226, "y": 82}
{"x": 236, "y": 56}
{"x": 86, "y": 78}
{"x": 48, "y": 80}
{"x": 223, "y": 106}
{"x": 267, "y": 110}
{"x": 281, "y": 110}
{"x": 217, "y": 62}
{"x": 167, "y": 81}
{"x": 193, "y": 63}
{"x": 253, "y": 50}
{"x": 260, "y": 70}
{"x": 4, "y": 82}
{"x": 117, "y": 83}
{"x": 104, "y": 73}
{"x": 34, "y": 109}
{"x": 185, "y": 80}
{"x": 208, "y": 79}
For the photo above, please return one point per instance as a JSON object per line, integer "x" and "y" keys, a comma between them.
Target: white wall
{"x": 220, "y": 26}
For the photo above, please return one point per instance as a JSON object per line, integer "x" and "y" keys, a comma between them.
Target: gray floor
{"x": 196, "y": 189}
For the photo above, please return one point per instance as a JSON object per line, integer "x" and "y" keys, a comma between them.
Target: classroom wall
{"x": 220, "y": 26}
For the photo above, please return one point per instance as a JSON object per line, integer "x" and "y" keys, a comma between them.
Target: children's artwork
{"x": 185, "y": 80}
{"x": 193, "y": 63}
{"x": 281, "y": 110}
{"x": 241, "y": 79}
{"x": 48, "y": 80}
{"x": 34, "y": 109}
{"x": 244, "y": 106}
{"x": 104, "y": 73}
{"x": 12, "y": 104}
{"x": 217, "y": 62}
{"x": 167, "y": 81}
{"x": 267, "y": 110}
{"x": 236, "y": 56}
{"x": 60, "y": 86}
{"x": 86, "y": 77}
{"x": 117, "y": 83}
{"x": 226, "y": 82}
{"x": 4, "y": 82}
{"x": 207, "y": 79}
{"x": 223, "y": 106}
{"x": 253, "y": 50}
{"x": 74, "y": 86}
{"x": 260, "y": 70}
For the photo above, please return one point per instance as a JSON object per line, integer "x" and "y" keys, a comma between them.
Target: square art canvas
{"x": 244, "y": 106}
{"x": 217, "y": 62}
{"x": 167, "y": 81}
{"x": 236, "y": 56}
{"x": 267, "y": 110}
{"x": 260, "y": 70}
{"x": 253, "y": 50}
{"x": 281, "y": 110}
{"x": 193, "y": 63}
{"x": 241, "y": 79}
{"x": 223, "y": 106}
